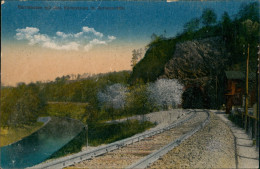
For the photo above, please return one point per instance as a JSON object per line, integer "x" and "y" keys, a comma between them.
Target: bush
{"x": 67, "y": 109}
{"x": 137, "y": 100}
{"x": 103, "y": 133}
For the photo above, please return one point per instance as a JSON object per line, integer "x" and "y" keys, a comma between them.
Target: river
{"x": 40, "y": 145}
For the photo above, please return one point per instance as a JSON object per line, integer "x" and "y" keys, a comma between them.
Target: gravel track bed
{"x": 211, "y": 147}
{"x": 125, "y": 156}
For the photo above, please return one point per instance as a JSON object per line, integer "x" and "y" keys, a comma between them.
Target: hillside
{"x": 196, "y": 61}
{"x": 152, "y": 65}
{"x": 199, "y": 55}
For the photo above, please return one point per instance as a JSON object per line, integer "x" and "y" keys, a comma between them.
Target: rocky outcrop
{"x": 197, "y": 61}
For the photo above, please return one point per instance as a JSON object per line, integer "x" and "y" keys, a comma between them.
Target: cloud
{"x": 68, "y": 46}
{"x": 78, "y": 34}
{"x": 111, "y": 38}
{"x": 86, "y": 39}
{"x": 26, "y": 33}
{"x": 92, "y": 30}
{"x": 93, "y": 43}
{"x": 63, "y": 35}
{"x": 38, "y": 38}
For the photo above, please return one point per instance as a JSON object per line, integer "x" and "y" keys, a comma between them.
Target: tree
{"x": 251, "y": 30}
{"x": 208, "y": 17}
{"x": 22, "y": 105}
{"x": 250, "y": 36}
{"x": 155, "y": 39}
{"x": 92, "y": 115}
{"x": 8, "y": 100}
{"x": 113, "y": 96}
{"x": 243, "y": 30}
{"x": 137, "y": 55}
{"x": 134, "y": 58}
{"x": 249, "y": 11}
{"x": 225, "y": 19}
{"x": 137, "y": 99}
{"x": 165, "y": 93}
{"x": 112, "y": 99}
{"x": 227, "y": 29}
{"x": 192, "y": 25}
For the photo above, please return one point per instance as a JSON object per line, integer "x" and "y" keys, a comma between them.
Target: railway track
{"x": 86, "y": 155}
{"x": 142, "y": 153}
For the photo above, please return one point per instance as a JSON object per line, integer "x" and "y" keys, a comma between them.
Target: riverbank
{"x": 14, "y": 134}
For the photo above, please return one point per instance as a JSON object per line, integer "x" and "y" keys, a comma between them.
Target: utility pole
{"x": 246, "y": 103}
{"x": 216, "y": 92}
{"x": 87, "y": 134}
{"x": 258, "y": 99}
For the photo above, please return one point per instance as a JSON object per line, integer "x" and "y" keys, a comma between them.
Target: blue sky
{"x": 137, "y": 22}
{"x": 40, "y": 44}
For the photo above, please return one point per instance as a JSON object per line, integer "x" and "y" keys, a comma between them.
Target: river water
{"x": 39, "y": 146}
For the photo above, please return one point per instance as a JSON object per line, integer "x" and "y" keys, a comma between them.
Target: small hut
{"x": 235, "y": 89}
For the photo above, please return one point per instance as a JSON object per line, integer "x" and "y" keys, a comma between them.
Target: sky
{"x": 42, "y": 40}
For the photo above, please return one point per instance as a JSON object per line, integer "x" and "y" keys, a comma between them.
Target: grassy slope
{"x": 66, "y": 109}
{"x": 107, "y": 133}
{"x": 11, "y": 135}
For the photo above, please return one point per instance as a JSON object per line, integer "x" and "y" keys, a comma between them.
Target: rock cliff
{"x": 197, "y": 61}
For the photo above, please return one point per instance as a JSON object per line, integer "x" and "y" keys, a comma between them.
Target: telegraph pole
{"x": 258, "y": 99}
{"x": 246, "y": 102}
{"x": 216, "y": 92}
{"x": 87, "y": 134}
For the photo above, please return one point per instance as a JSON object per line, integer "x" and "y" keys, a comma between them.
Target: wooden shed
{"x": 235, "y": 89}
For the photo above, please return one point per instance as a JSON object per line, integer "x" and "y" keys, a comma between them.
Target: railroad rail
{"x": 141, "y": 154}
{"x": 88, "y": 155}
{"x": 148, "y": 160}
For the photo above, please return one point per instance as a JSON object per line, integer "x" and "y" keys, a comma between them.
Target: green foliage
{"x": 152, "y": 65}
{"x": 84, "y": 90}
{"x": 137, "y": 99}
{"x": 192, "y": 25}
{"x": 67, "y": 109}
{"x": 226, "y": 23}
{"x": 21, "y": 105}
{"x": 249, "y": 11}
{"x": 10, "y": 135}
{"x": 103, "y": 133}
{"x": 208, "y": 17}
{"x": 250, "y": 30}
{"x": 240, "y": 32}
{"x": 136, "y": 55}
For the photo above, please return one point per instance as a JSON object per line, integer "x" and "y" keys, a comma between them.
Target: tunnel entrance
{"x": 194, "y": 98}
